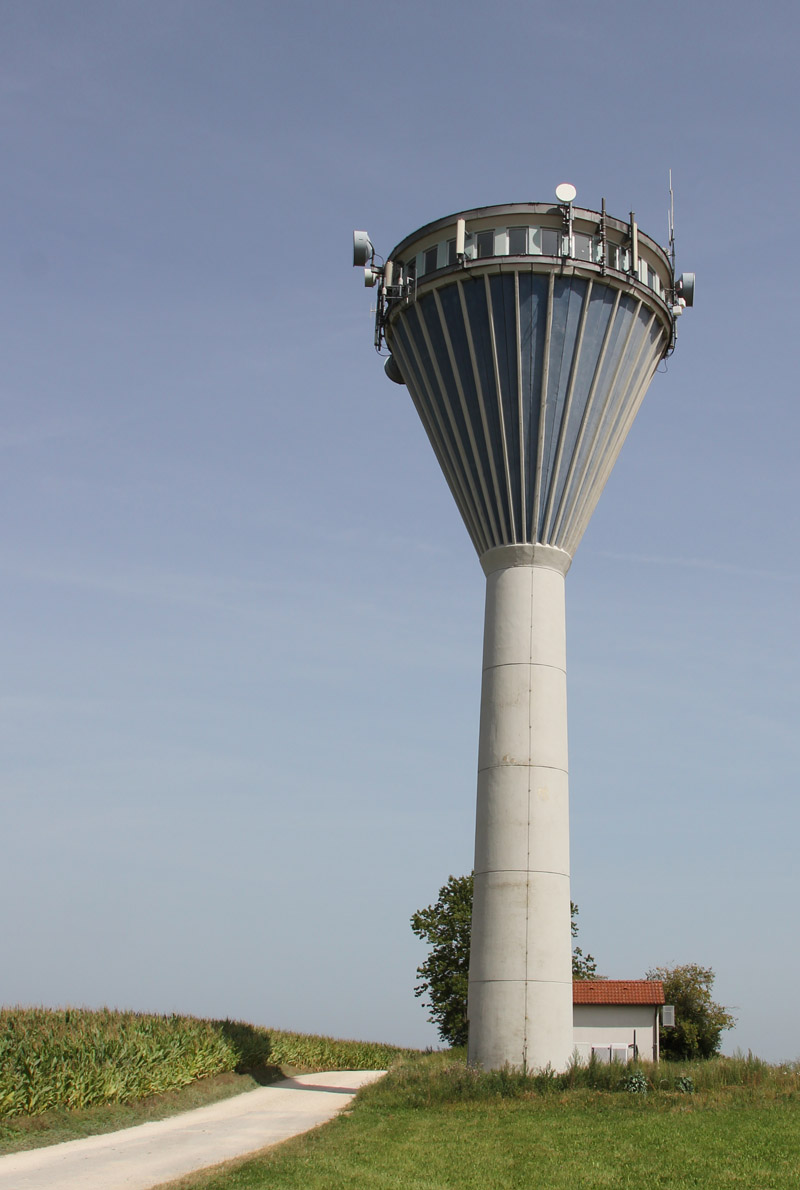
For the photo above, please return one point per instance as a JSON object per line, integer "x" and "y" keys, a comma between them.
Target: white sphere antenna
{"x": 565, "y": 192}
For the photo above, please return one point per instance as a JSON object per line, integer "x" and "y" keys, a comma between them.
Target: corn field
{"x": 73, "y": 1058}
{"x": 327, "y": 1053}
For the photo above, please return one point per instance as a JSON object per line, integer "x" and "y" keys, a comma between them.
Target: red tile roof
{"x": 617, "y": 991}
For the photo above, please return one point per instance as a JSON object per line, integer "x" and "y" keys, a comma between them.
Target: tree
{"x": 584, "y": 966}
{"x": 699, "y": 1022}
{"x": 444, "y": 976}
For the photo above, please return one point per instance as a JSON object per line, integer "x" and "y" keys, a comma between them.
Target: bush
{"x": 635, "y": 1082}
{"x": 699, "y": 1022}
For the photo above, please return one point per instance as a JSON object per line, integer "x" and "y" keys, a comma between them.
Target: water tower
{"x": 527, "y": 335}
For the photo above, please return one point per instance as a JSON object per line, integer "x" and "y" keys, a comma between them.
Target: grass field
{"x": 431, "y": 1125}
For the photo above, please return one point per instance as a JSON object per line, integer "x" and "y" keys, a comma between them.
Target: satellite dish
{"x": 565, "y": 192}
{"x": 362, "y": 248}
{"x": 392, "y": 371}
{"x": 684, "y": 288}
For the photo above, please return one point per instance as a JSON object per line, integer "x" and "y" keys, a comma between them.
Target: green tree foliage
{"x": 444, "y": 975}
{"x": 699, "y": 1022}
{"x": 446, "y": 928}
{"x": 584, "y": 966}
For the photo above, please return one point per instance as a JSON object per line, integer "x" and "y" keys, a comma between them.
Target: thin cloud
{"x": 710, "y": 564}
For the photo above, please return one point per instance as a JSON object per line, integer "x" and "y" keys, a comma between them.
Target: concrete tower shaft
{"x": 527, "y": 335}
{"x": 520, "y": 981}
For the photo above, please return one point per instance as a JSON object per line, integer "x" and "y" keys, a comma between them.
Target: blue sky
{"x": 240, "y": 670}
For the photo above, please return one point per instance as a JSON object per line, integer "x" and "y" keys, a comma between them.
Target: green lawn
{"x": 744, "y": 1135}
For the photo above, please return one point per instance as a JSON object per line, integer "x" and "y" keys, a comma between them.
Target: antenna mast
{"x": 671, "y": 222}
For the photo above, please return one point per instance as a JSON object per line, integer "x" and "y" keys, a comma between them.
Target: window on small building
{"x": 411, "y": 269}
{"x": 582, "y": 246}
{"x": 517, "y": 241}
{"x": 610, "y": 1053}
{"x": 451, "y": 252}
{"x": 485, "y": 243}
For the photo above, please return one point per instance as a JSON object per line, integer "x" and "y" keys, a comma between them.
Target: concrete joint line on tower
{"x": 532, "y": 979}
{"x": 525, "y": 665}
{"x": 530, "y": 754}
{"x": 542, "y": 872}
{"x": 521, "y": 764}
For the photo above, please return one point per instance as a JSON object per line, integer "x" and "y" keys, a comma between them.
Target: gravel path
{"x": 149, "y": 1154}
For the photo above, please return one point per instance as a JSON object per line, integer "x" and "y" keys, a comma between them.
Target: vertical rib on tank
{"x": 527, "y": 383}
{"x": 527, "y": 336}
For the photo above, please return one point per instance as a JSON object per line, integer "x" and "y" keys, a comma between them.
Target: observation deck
{"x": 537, "y": 234}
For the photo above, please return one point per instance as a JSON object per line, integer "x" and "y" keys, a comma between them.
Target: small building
{"x": 616, "y": 1019}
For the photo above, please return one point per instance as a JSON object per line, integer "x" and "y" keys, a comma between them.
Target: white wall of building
{"x": 603, "y": 1025}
